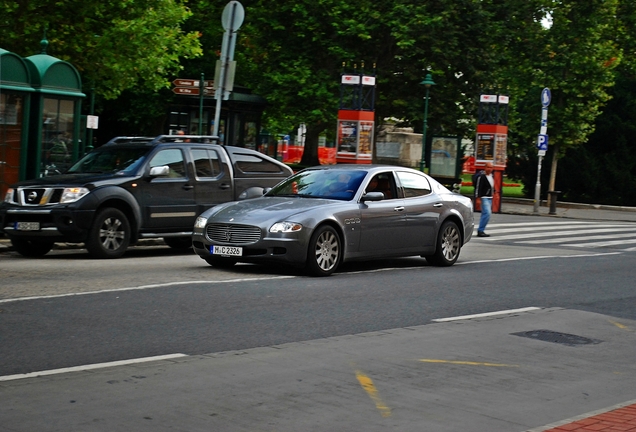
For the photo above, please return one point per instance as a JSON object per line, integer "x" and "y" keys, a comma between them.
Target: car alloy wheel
{"x": 324, "y": 251}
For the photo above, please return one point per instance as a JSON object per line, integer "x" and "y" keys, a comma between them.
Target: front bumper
{"x": 269, "y": 249}
{"x": 56, "y": 224}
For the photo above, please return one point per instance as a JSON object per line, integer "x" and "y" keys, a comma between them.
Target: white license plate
{"x": 226, "y": 250}
{"x": 27, "y": 226}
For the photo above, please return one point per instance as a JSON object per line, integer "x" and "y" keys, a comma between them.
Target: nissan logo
{"x": 32, "y": 196}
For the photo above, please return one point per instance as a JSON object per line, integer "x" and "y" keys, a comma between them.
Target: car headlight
{"x": 200, "y": 222}
{"x": 73, "y": 194}
{"x": 8, "y": 197}
{"x": 284, "y": 227}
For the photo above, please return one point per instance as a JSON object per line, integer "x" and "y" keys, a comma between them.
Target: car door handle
{"x": 188, "y": 187}
{"x": 225, "y": 186}
{"x": 438, "y": 205}
{"x": 399, "y": 209}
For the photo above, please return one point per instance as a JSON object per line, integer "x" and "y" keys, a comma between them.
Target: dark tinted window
{"x": 206, "y": 163}
{"x": 249, "y": 163}
{"x": 173, "y": 158}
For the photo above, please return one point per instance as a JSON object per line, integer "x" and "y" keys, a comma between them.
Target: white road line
{"x": 550, "y": 228}
{"x": 524, "y": 224}
{"x": 143, "y": 287}
{"x": 538, "y": 257}
{"x": 487, "y": 314}
{"x": 607, "y": 243}
{"x": 90, "y": 367}
{"x": 535, "y": 234}
{"x": 573, "y": 239}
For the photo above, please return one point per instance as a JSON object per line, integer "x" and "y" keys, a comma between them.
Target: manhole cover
{"x": 557, "y": 337}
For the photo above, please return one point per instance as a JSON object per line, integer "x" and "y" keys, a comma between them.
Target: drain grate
{"x": 557, "y": 337}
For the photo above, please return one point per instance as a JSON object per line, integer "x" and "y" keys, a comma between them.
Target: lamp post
{"x": 428, "y": 82}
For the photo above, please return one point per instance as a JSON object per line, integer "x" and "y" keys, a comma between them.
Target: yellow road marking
{"x": 369, "y": 387}
{"x": 619, "y": 325}
{"x": 467, "y": 363}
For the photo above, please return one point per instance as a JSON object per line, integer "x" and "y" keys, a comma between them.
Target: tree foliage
{"x": 115, "y": 44}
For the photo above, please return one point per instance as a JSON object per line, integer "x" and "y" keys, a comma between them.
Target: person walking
{"x": 484, "y": 187}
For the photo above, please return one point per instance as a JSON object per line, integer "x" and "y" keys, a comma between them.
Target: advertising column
{"x": 356, "y": 118}
{"x": 492, "y": 140}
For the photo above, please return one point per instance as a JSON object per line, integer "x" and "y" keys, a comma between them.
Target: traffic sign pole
{"x": 542, "y": 145}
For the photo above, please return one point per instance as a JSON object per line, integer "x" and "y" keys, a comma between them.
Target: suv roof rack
{"x": 191, "y": 138}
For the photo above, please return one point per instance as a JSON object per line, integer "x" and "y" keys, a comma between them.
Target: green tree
{"x": 576, "y": 58}
{"x": 115, "y": 44}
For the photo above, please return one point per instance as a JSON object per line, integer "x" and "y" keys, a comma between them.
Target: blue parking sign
{"x": 542, "y": 142}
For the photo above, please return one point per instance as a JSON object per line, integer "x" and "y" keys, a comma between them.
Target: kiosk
{"x": 492, "y": 140}
{"x": 356, "y": 118}
{"x": 15, "y": 102}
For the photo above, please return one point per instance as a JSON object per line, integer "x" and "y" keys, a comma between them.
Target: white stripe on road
{"x": 487, "y": 314}
{"x": 143, "y": 287}
{"x": 582, "y": 230}
{"x": 90, "y": 367}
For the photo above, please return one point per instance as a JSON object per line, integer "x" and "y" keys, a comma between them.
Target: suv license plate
{"x": 27, "y": 226}
{"x": 226, "y": 250}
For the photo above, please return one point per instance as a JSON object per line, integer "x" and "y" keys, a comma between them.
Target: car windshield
{"x": 110, "y": 159}
{"x": 339, "y": 184}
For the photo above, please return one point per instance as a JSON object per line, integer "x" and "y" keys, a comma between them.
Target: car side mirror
{"x": 159, "y": 171}
{"x": 372, "y": 196}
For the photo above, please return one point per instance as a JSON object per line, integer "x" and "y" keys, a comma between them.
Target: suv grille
{"x": 233, "y": 234}
{"x": 37, "y": 196}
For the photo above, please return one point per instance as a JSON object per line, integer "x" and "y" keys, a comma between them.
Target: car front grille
{"x": 37, "y": 196}
{"x": 233, "y": 234}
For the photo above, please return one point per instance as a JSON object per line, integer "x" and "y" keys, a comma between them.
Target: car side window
{"x": 206, "y": 163}
{"x": 414, "y": 185}
{"x": 173, "y": 158}
{"x": 249, "y": 163}
{"x": 384, "y": 183}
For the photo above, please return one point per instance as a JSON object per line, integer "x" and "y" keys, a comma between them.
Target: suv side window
{"x": 248, "y": 163}
{"x": 173, "y": 158}
{"x": 206, "y": 163}
{"x": 414, "y": 184}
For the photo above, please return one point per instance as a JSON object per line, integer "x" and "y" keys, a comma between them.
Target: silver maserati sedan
{"x": 324, "y": 216}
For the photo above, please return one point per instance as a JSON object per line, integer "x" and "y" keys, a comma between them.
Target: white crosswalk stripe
{"x": 580, "y": 234}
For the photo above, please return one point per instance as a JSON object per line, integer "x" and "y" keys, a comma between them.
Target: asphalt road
{"x": 167, "y": 303}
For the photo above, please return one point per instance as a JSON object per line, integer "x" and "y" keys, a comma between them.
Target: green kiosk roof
{"x": 14, "y": 73}
{"x": 53, "y": 76}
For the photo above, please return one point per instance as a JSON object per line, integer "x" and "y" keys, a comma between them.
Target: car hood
{"x": 74, "y": 180}
{"x": 266, "y": 209}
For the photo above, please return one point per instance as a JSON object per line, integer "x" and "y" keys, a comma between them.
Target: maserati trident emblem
{"x": 32, "y": 196}
{"x": 227, "y": 234}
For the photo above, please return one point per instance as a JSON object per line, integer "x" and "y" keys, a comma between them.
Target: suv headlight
{"x": 8, "y": 197}
{"x": 285, "y": 227}
{"x": 73, "y": 194}
{"x": 200, "y": 222}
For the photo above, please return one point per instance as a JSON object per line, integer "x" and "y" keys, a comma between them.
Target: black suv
{"x": 132, "y": 188}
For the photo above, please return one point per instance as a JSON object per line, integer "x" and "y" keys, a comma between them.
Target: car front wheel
{"x": 449, "y": 244}
{"x": 110, "y": 234}
{"x": 325, "y": 252}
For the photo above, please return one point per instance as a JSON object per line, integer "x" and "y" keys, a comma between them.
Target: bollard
{"x": 553, "y": 201}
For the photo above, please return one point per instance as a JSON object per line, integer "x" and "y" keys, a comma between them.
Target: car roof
{"x": 152, "y": 141}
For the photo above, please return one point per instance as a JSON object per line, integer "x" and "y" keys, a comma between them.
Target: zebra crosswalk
{"x": 579, "y": 234}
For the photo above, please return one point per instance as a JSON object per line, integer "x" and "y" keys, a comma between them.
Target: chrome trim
{"x": 27, "y": 211}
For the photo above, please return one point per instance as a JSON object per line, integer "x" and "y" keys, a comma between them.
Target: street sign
{"x": 546, "y": 97}
{"x": 191, "y": 91}
{"x": 233, "y": 16}
{"x": 192, "y": 83}
{"x": 542, "y": 142}
{"x": 92, "y": 122}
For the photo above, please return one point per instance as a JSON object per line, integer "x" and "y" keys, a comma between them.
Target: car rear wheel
{"x": 221, "y": 262}
{"x": 178, "y": 242}
{"x": 325, "y": 252}
{"x": 449, "y": 244}
{"x": 110, "y": 234}
{"x": 31, "y": 248}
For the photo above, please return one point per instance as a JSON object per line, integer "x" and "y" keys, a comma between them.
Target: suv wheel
{"x": 31, "y": 248}
{"x": 110, "y": 234}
